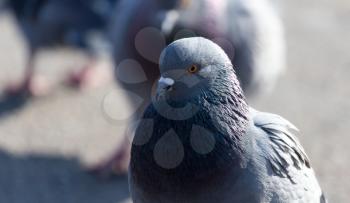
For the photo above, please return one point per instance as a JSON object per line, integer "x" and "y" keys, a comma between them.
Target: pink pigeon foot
{"x": 88, "y": 77}
{"x": 35, "y": 87}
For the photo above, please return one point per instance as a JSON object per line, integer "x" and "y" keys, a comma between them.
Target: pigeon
{"x": 49, "y": 23}
{"x": 249, "y": 31}
{"x": 200, "y": 142}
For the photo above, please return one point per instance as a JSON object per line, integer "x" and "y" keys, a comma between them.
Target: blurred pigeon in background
{"x": 199, "y": 141}
{"x": 249, "y": 31}
{"x": 47, "y": 23}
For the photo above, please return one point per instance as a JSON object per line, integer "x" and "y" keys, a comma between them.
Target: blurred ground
{"x": 45, "y": 146}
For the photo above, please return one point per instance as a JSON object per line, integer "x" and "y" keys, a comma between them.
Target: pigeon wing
{"x": 286, "y": 151}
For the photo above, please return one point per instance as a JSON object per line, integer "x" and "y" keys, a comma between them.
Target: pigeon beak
{"x": 164, "y": 85}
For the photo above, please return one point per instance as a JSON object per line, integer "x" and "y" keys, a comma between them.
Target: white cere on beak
{"x": 166, "y": 81}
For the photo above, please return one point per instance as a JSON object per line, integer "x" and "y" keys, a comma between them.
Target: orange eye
{"x": 193, "y": 69}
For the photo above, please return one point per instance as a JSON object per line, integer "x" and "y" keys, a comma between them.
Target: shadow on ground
{"x": 43, "y": 179}
{"x": 10, "y": 104}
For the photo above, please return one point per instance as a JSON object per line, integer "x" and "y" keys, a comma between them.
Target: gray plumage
{"x": 218, "y": 149}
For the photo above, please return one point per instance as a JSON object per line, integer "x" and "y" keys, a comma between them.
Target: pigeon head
{"x": 198, "y": 79}
{"x": 193, "y": 68}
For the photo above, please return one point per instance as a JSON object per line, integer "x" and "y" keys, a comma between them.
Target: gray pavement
{"x": 46, "y": 146}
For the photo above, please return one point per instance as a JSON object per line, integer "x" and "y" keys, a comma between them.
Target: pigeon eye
{"x": 193, "y": 69}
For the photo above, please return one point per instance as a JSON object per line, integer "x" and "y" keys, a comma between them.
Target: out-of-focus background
{"x": 46, "y": 146}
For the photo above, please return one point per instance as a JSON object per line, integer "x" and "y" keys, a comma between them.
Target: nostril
{"x": 165, "y": 84}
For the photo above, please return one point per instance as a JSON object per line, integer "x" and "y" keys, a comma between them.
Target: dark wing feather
{"x": 286, "y": 150}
